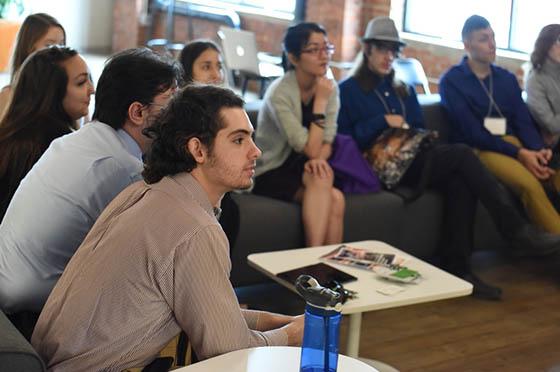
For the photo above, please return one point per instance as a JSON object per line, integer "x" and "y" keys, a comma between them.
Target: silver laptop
{"x": 240, "y": 53}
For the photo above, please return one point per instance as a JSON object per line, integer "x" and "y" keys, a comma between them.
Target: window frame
{"x": 432, "y": 39}
{"x": 296, "y": 15}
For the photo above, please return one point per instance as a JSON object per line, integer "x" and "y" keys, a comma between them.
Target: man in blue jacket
{"x": 487, "y": 112}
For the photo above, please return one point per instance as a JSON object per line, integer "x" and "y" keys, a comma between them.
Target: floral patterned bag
{"x": 395, "y": 149}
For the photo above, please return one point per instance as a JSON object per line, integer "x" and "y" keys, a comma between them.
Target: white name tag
{"x": 496, "y": 126}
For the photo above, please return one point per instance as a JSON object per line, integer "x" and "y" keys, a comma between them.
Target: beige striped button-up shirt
{"x": 155, "y": 262}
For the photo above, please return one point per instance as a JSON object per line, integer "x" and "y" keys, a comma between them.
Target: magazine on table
{"x": 387, "y": 265}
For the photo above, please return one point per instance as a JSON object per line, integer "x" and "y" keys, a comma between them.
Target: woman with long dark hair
{"x": 543, "y": 83}
{"x": 52, "y": 90}
{"x": 295, "y": 131}
{"x": 37, "y": 31}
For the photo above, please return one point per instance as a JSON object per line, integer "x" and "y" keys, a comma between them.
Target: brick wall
{"x": 437, "y": 59}
{"x": 344, "y": 20}
{"x": 130, "y": 33}
{"x": 373, "y": 8}
{"x": 269, "y": 32}
{"x": 434, "y": 64}
{"x": 125, "y": 24}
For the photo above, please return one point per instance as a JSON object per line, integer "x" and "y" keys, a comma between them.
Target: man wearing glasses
{"x": 62, "y": 196}
{"x": 488, "y": 113}
{"x": 156, "y": 262}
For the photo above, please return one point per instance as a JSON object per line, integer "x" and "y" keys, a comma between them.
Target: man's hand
{"x": 274, "y": 321}
{"x": 294, "y": 329}
{"x": 536, "y": 162}
{"x": 394, "y": 121}
{"x": 545, "y": 155}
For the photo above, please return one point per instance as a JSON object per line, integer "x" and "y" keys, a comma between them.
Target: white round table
{"x": 270, "y": 359}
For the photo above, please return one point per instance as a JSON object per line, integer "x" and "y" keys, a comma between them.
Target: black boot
{"x": 481, "y": 289}
{"x": 531, "y": 242}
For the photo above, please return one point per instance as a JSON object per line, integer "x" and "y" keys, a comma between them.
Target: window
{"x": 285, "y": 9}
{"x": 529, "y": 17}
{"x": 516, "y": 23}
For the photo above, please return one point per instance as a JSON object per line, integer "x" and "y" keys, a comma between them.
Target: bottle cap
{"x": 316, "y": 295}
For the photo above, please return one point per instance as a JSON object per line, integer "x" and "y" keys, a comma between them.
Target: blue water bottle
{"x": 319, "y": 351}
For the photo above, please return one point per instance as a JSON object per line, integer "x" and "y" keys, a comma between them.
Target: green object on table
{"x": 404, "y": 273}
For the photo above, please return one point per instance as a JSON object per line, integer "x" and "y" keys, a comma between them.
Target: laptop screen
{"x": 240, "y": 49}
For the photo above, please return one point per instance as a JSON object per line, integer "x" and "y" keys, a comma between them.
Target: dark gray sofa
{"x": 268, "y": 225}
{"x": 16, "y": 354}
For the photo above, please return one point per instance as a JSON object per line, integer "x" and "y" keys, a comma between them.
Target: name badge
{"x": 496, "y": 126}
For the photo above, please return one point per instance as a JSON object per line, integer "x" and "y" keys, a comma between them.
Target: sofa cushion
{"x": 373, "y": 216}
{"x": 435, "y": 116}
{"x": 16, "y": 354}
{"x": 265, "y": 225}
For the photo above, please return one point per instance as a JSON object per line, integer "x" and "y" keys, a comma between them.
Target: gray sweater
{"x": 543, "y": 99}
{"x": 279, "y": 125}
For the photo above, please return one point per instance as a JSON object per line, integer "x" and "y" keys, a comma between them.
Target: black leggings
{"x": 458, "y": 174}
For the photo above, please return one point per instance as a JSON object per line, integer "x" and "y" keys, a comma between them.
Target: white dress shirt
{"x": 55, "y": 206}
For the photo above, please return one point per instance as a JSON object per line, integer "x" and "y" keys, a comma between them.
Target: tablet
{"x": 320, "y": 271}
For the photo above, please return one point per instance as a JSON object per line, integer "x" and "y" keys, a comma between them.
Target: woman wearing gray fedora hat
{"x": 373, "y": 100}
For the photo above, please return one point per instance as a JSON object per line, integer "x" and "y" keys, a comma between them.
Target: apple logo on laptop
{"x": 240, "y": 51}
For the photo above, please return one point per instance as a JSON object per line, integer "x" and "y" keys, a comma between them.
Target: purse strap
{"x": 384, "y": 102}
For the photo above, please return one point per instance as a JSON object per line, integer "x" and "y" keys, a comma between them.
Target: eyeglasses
{"x": 159, "y": 105}
{"x": 314, "y": 51}
{"x": 385, "y": 48}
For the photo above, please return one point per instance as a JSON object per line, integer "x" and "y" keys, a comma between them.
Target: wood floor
{"x": 519, "y": 333}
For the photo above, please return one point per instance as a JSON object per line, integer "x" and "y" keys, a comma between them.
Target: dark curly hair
{"x": 195, "y": 111}
{"x": 547, "y": 37}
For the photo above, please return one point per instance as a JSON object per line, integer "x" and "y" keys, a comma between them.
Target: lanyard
{"x": 490, "y": 94}
{"x": 387, "y": 110}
